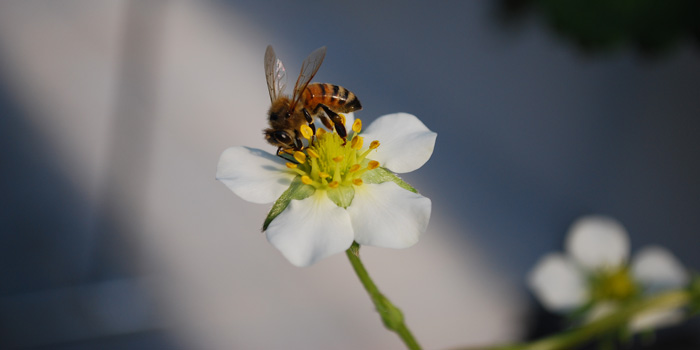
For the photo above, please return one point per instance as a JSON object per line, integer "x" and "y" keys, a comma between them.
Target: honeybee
{"x": 287, "y": 114}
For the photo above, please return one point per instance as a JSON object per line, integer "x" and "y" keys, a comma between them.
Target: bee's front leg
{"x": 298, "y": 145}
{"x": 284, "y": 154}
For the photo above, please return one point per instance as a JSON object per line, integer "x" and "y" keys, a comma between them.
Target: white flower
{"x": 595, "y": 272}
{"x": 336, "y": 192}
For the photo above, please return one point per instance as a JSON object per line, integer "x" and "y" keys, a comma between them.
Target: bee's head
{"x": 279, "y": 138}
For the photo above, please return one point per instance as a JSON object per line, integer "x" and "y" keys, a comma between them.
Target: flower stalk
{"x": 392, "y": 317}
{"x": 594, "y": 330}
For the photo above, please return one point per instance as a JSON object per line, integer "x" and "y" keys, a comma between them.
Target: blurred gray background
{"x": 115, "y": 235}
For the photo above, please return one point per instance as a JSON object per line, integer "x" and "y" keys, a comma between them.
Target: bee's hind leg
{"x": 337, "y": 121}
{"x": 326, "y": 121}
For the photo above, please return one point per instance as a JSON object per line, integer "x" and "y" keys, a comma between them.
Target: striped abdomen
{"x": 335, "y": 97}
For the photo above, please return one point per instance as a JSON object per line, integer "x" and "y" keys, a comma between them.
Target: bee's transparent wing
{"x": 308, "y": 69}
{"x": 275, "y": 74}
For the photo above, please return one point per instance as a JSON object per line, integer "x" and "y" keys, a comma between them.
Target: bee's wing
{"x": 308, "y": 70}
{"x": 275, "y": 73}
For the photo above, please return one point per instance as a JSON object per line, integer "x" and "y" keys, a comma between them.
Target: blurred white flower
{"x": 336, "y": 192}
{"x": 594, "y": 274}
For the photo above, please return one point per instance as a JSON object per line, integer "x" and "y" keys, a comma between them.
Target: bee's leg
{"x": 310, "y": 121}
{"x": 337, "y": 121}
{"x": 326, "y": 121}
{"x": 324, "y": 118}
{"x": 281, "y": 152}
{"x": 298, "y": 145}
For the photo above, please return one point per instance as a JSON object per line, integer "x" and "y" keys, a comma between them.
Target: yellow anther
{"x": 357, "y": 126}
{"x": 291, "y": 165}
{"x": 342, "y": 118}
{"x": 320, "y": 132}
{"x": 311, "y": 153}
{"x": 306, "y": 131}
{"x": 306, "y": 180}
{"x": 356, "y": 142}
{"x": 357, "y": 182}
{"x": 373, "y": 164}
{"x": 374, "y": 144}
{"x": 300, "y": 157}
{"x": 333, "y": 184}
{"x": 339, "y": 159}
{"x": 354, "y": 168}
{"x": 323, "y": 175}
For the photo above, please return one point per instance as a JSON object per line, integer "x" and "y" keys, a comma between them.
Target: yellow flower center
{"x": 614, "y": 284}
{"x": 331, "y": 162}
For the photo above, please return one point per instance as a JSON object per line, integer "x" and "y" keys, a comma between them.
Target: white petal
{"x": 558, "y": 283}
{"x": 656, "y": 268}
{"x": 598, "y": 241}
{"x": 386, "y": 215}
{"x": 349, "y": 119}
{"x": 656, "y": 319}
{"x": 405, "y": 142}
{"x": 311, "y": 229}
{"x": 253, "y": 174}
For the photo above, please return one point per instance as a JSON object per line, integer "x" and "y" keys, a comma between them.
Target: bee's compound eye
{"x": 282, "y": 137}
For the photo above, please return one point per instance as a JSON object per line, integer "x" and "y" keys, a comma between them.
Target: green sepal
{"x": 342, "y": 195}
{"x": 297, "y": 190}
{"x": 381, "y": 174}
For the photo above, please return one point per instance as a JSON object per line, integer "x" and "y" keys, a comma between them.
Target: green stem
{"x": 567, "y": 340}
{"x": 391, "y": 315}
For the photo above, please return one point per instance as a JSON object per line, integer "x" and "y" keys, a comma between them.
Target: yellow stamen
{"x": 300, "y": 157}
{"x": 357, "y": 126}
{"x": 332, "y": 163}
{"x": 306, "y": 131}
{"x": 356, "y": 142}
{"x": 342, "y": 118}
{"x": 311, "y": 153}
{"x": 374, "y": 144}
